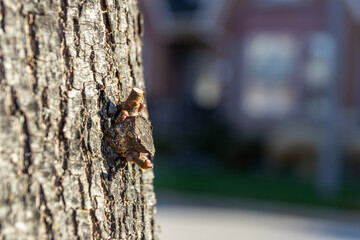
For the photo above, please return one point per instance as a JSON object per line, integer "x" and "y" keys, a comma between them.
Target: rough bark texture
{"x": 63, "y": 66}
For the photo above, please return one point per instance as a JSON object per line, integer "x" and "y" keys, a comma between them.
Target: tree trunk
{"x": 64, "y": 65}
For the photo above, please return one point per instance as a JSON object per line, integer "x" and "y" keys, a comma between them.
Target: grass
{"x": 195, "y": 163}
{"x": 260, "y": 187}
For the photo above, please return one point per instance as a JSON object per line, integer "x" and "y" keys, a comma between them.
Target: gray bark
{"x": 63, "y": 66}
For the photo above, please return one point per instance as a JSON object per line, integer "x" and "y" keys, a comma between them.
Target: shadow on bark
{"x": 112, "y": 161}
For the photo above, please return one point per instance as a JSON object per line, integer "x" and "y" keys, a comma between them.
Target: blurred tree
{"x": 63, "y": 67}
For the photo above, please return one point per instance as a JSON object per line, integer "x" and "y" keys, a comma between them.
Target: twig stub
{"x": 132, "y": 103}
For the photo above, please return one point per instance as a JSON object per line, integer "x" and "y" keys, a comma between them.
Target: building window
{"x": 268, "y": 75}
{"x": 183, "y": 6}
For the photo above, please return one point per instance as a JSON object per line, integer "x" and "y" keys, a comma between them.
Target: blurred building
{"x": 278, "y": 69}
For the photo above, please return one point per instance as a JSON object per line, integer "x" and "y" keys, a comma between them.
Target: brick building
{"x": 277, "y": 69}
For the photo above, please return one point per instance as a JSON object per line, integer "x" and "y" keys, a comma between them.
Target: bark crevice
{"x": 88, "y": 173}
{"x": 45, "y": 115}
{"x": 32, "y": 50}
{"x": 95, "y": 225}
{"x": 58, "y": 183}
{"x": 75, "y": 225}
{"x": 109, "y": 209}
{"x": 68, "y": 75}
{"x": 46, "y": 217}
{"x": 67, "y": 61}
{"x": 80, "y": 7}
{"x": 128, "y": 42}
{"x": 99, "y": 86}
{"x": 2, "y": 68}
{"x": 2, "y": 15}
{"x": 13, "y": 110}
{"x": 82, "y": 194}
{"x": 63, "y": 141}
{"x": 109, "y": 38}
{"x": 76, "y": 36}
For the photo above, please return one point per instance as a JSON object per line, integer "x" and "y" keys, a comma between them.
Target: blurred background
{"x": 256, "y": 112}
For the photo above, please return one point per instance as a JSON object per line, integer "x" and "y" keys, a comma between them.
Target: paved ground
{"x": 184, "y": 218}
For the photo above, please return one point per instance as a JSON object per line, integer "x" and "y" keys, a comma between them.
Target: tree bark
{"x": 64, "y": 65}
